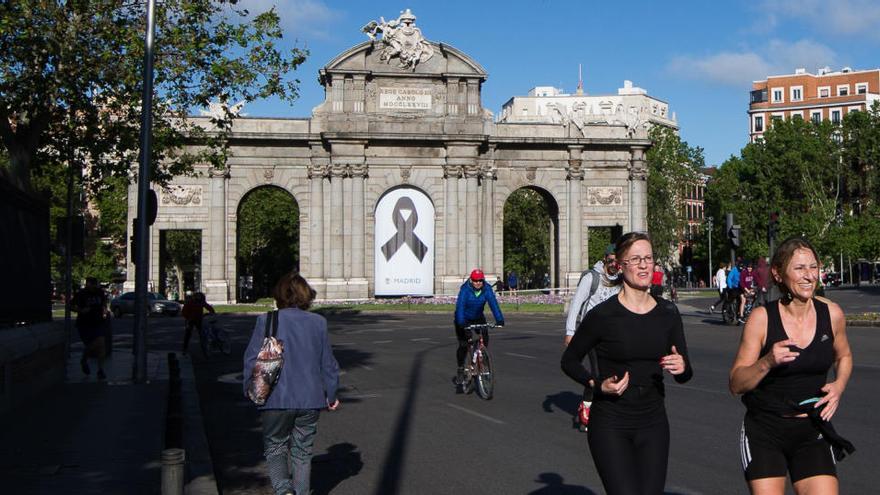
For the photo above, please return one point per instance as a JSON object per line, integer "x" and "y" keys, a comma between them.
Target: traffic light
{"x": 773, "y": 227}
{"x": 734, "y": 235}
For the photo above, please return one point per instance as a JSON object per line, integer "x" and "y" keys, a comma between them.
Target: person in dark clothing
{"x": 193, "y": 313}
{"x": 90, "y": 305}
{"x": 781, "y": 369}
{"x": 636, "y": 336}
{"x": 472, "y": 299}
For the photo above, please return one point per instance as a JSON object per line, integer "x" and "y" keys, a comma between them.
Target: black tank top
{"x": 804, "y": 377}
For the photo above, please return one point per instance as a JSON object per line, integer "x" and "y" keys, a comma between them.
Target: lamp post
{"x": 709, "y": 227}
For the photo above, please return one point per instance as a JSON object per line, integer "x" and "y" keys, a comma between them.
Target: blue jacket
{"x": 469, "y": 306}
{"x": 310, "y": 374}
{"x": 733, "y": 278}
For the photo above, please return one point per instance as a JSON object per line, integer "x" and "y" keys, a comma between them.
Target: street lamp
{"x": 709, "y": 227}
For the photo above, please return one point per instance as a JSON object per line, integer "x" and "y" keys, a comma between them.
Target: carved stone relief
{"x": 182, "y": 196}
{"x": 605, "y": 196}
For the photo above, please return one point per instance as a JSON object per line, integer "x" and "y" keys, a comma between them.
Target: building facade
{"x": 401, "y": 177}
{"x": 826, "y": 95}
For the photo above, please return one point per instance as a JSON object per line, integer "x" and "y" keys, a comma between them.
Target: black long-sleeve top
{"x": 626, "y": 341}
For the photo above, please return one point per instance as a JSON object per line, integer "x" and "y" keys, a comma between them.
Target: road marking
{"x": 345, "y": 343}
{"x": 420, "y": 339}
{"x": 345, "y": 397}
{"x": 868, "y": 366}
{"x": 475, "y": 413}
{"x": 364, "y": 366}
{"x": 520, "y": 355}
{"x": 382, "y": 341}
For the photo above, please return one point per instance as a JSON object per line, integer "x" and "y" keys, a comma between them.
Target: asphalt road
{"x": 402, "y": 429}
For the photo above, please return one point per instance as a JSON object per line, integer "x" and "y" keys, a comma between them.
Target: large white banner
{"x": 404, "y": 244}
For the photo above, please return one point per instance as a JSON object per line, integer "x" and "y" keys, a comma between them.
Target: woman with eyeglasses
{"x": 636, "y": 337}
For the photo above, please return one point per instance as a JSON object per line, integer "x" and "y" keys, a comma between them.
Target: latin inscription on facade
{"x": 405, "y": 98}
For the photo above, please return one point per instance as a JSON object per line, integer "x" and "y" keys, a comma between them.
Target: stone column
{"x": 488, "y": 231}
{"x": 358, "y": 285}
{"x": 317, "y": 173}
{"x": 473, "y": 97}
{"x": 638, "y": 182}
{"x": 451, "y": 245}
{"x": 575, "y": 177}
{"x": 334, "y": 270}
{"x": 214, "y": 241}
{"x": 358, "y": 88}
{"x": 472, "y": 218}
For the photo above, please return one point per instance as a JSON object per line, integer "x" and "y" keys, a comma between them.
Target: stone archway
{"x": 531, "y": 237}
{"x": 267, "y": 240}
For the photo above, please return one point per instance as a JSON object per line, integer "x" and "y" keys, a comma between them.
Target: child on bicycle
{"x": 193, "y": 314}
{"x": 472, "y": 299}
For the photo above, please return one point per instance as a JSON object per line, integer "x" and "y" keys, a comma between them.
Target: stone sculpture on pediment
{"x": 401, "y": 39}
{"x": 182, "y": 195}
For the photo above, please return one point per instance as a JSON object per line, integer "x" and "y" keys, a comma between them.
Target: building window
{"x": 758, "y": 96}
{"x": 797, "y": 93}
{"x": 843, "y": 90}
{"x": 862, "y": 88}
{"x": 816, "y": 117}
{"x": 777, "y": 96}
{"x": 824, "y": 91}
{"x": 777, "y": 117}
{"x": 759, "y": 124}
{"x": 796, "y": 115}
{"x": 835, "y": 116}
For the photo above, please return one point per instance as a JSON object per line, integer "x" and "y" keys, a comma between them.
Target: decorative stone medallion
{"x": 189, "y": 195}
{"x": 604, "y": 196}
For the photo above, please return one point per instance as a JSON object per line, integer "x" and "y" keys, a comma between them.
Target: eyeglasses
{"x": 475, "y": 281}
{"x": 637, "y": 260}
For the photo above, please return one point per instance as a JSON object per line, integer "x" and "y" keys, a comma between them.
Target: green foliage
{"x": 70, "y": 82}
{"x": 672, "y": 165}
{"x": 599, "y": 239}
{"x": 821, "y": 178}
{"x": 268, "y": 237}
{"x": 527, "y": 220}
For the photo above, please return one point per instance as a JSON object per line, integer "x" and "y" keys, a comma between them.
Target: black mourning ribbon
{"x": 405, "y": 231}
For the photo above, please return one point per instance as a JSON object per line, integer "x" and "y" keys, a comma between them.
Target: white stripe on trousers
{"x": 744, "y": 450}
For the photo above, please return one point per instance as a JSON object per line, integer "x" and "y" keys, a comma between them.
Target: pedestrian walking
{"x": 595, "y": 286}
{"x": 762, "y": 282}
{"x": 308, "y": 383}
{"x": 721, "y": 283}
{"x": 657, "y": 281}
{"x": 512, "y": 282}
{"x": 636, "y": 337}
{"x": 92, "y": 318}
{"x": 780, "y": 369}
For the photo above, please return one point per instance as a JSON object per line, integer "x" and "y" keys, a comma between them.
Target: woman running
{"x": 781, "y": 368}
{"x": 636, "y": 337}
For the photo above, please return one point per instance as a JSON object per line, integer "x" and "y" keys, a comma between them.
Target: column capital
{"x": 219, "y": 173}
{"x": 472, "y": 172}
{"x": 358, "y": 170}
{"x": 318, "y": 171}
{"x": 451, "y": 171}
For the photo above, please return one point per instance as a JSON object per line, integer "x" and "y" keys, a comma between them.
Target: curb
{"x": 199, "y": 474}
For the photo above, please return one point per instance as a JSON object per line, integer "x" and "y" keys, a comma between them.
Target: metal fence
{"x": 25, "y": 290}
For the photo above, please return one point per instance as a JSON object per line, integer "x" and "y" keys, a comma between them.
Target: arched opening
{"x": 531, "y": 239}
{"x": 267, "y": 240}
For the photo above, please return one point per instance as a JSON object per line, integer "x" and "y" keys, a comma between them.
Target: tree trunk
{"x": 181, "y": 295}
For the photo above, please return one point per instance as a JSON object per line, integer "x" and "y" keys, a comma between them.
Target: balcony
{"x": 758, "y": 96}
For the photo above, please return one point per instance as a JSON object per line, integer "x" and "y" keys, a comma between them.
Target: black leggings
{"x": 631, "y": 461}
{"x": 462, "y": 334}
{"x": 190, "y": 324}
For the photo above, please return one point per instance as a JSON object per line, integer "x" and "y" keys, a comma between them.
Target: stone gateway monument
{"x": 401, "y": 177}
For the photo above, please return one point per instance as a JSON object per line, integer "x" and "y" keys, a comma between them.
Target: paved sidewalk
{"x": 86, "y": 436}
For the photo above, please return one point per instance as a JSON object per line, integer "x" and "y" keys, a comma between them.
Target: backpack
{"x": 594, "y": 284}
{"x": 270, "y": 360}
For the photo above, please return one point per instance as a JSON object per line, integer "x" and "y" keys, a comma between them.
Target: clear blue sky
{"x": 701, "y": 57}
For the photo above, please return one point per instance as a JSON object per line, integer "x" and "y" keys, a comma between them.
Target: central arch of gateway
{"x": 401, "y": 177}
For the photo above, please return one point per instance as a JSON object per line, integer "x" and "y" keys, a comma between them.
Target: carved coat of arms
{"x": 401, "y": 39}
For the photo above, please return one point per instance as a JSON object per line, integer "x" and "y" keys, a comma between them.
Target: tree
{"x": 70, "y": 82}
{"x": 672, "y": 165}
{"x": 527, "y": 222}
{"x": 268, "y": 237}
{"x": 183, "y": 249}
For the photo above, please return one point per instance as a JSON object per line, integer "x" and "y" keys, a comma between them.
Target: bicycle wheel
{"x": 205, "y": 343}
{"x": 223, "y": 342}
{"x": 485, "y": 378}
{"x": 728, "y": 314}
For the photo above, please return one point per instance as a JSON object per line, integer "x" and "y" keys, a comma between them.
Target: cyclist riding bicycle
{"x": 472, "y": 299}
{"x": 193, "y": 314}
{"x": 747, "y": 290}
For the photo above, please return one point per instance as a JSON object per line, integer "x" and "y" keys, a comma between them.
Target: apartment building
{"x": 826, "y": 95}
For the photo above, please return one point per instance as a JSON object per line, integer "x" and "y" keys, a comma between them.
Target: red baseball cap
{"x": 477, "y": 274}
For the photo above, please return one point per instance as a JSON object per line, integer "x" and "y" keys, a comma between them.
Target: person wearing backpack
{"x": 595, "y": 286}
{"x": 308, "y": 382}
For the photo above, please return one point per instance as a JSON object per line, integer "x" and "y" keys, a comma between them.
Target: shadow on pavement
{"x": 566, "y": 402}
{"x": 554, "y": 484}
{"x": 342, "y": 461}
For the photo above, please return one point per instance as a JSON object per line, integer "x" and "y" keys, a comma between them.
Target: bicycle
{"x": 730, "y": 308}
{"x": 214, "y": 338}
{"x": 478, "y": 364}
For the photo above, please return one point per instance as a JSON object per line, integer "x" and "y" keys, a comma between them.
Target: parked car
{"x": 832, "y": 279}
{"x": 157, "y": 305}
